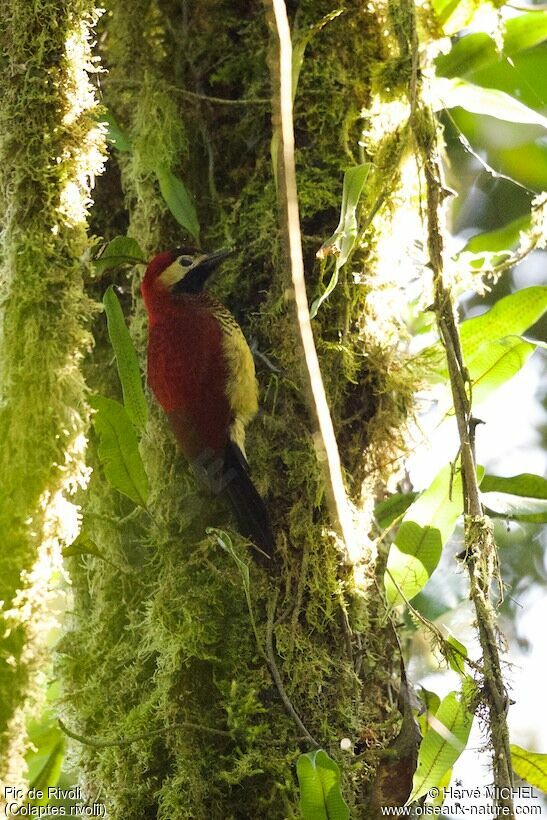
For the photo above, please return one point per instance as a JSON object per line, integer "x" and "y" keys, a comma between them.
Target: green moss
{"x": 169, "y": 640}
{"x": 47, "y": 142}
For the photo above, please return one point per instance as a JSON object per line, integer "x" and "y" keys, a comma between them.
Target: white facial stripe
{"x": 173, "y": 274}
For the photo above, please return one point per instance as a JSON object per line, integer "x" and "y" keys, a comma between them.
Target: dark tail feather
{"x": 249, "y": 508}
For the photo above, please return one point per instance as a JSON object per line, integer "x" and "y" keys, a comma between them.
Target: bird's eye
{"x": 185, "y": 261}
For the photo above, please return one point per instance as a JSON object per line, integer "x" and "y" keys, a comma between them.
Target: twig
{"x": 194, "y": 95}
{"x": 103, "y": 743}
{"x": 270, "y": 657}
{"x": 325, "y": 440}
{"x": 479, "y": 540}
{"x": 302, "y": 577}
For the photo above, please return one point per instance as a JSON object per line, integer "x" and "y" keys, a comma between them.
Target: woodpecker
{"x": 202, "y": 373}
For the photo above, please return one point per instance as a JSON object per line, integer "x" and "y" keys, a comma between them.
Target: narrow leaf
{"x": 342, "y": 242}
{"x": 455, "y": 92}
{"x": 457, "y": 653}
{"x": 300, "y": 44}
{"x": 126, "y": 360}
{"x": 530, "y": 766}
{"x": 119, "y": 449}
{"x": 178, "y": 200}
{"x": 122, "y": 250}
{"x": 443, "y": 743}
{"x": 320, "y": 787}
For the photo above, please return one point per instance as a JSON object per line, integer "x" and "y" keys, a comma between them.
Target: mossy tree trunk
{"x": 163, "y": 646}
{"x": 50, "y": 147}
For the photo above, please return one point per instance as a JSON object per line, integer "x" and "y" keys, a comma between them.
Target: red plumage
{"x": 189, "y": 373}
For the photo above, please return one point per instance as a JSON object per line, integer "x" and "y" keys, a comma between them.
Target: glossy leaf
{"x": 476, "y": 51}
{"x": 386, "y": 512}
{"x": 119, "y": 449}
{"x": 342, "y": 242}
{"x": 426, "y": 527}
{"x": 122, "y": 250}
{"x": 126, "y": 359}
{"x": 178, "y": 200}
{"x": 494, "y": 246}
{"x": 320, "y": 787}
{"x": 442, "y": 744}
{"x": 522, "y": 497}
{"x": 510, "y": 316}
{"x": 496, "y": 363}
{"x": 456, "y": 92}
{"x": 530, "y": 766}
{"x": 525, "y": 484}
{"x": 523, "y": 77}
{"x": 456, "y": 654}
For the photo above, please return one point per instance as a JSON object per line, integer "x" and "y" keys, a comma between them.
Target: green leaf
{"x": 386, "y": 512}
{"x": 525, "y": 484}
{"x": 491, "y": 347}
{"x": 320, "y": 787}
{"x": 426, "y": 527}
{"x": 494, "y": 246}
{"x": 82, "y": 545}
{"x": 178, "y": 200}
{"x": 495, "y": 363}
{"x": 342, "y": 242}
{"x": 412, "y": 559}
{"x": 444, "y": 9}
{"x": 114, "y": 133}
{"x": 122, "y": 250}
{"x": 457, "y": 652}
{"x": 475, "y": 51}
{"x": 126, "y": 360}
{"x": 530, "y": 766}
{"x": 431, "y": 702}
{"x": 49, "y": 773}
{"x": 119, "y": 449}
{"x": 510, "y": 316}
{"x": 522, "y": 497}
{"x": 443, "y": 743}
{"x": 300, "y": 43}
{"x": 455, "y": 92}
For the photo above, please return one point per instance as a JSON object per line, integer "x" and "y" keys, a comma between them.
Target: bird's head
{"x": 183, "y": 270}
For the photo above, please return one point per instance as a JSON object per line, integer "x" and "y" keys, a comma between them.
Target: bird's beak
{"x": 196, "y": 276}
{"x": 208, "y": 262}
